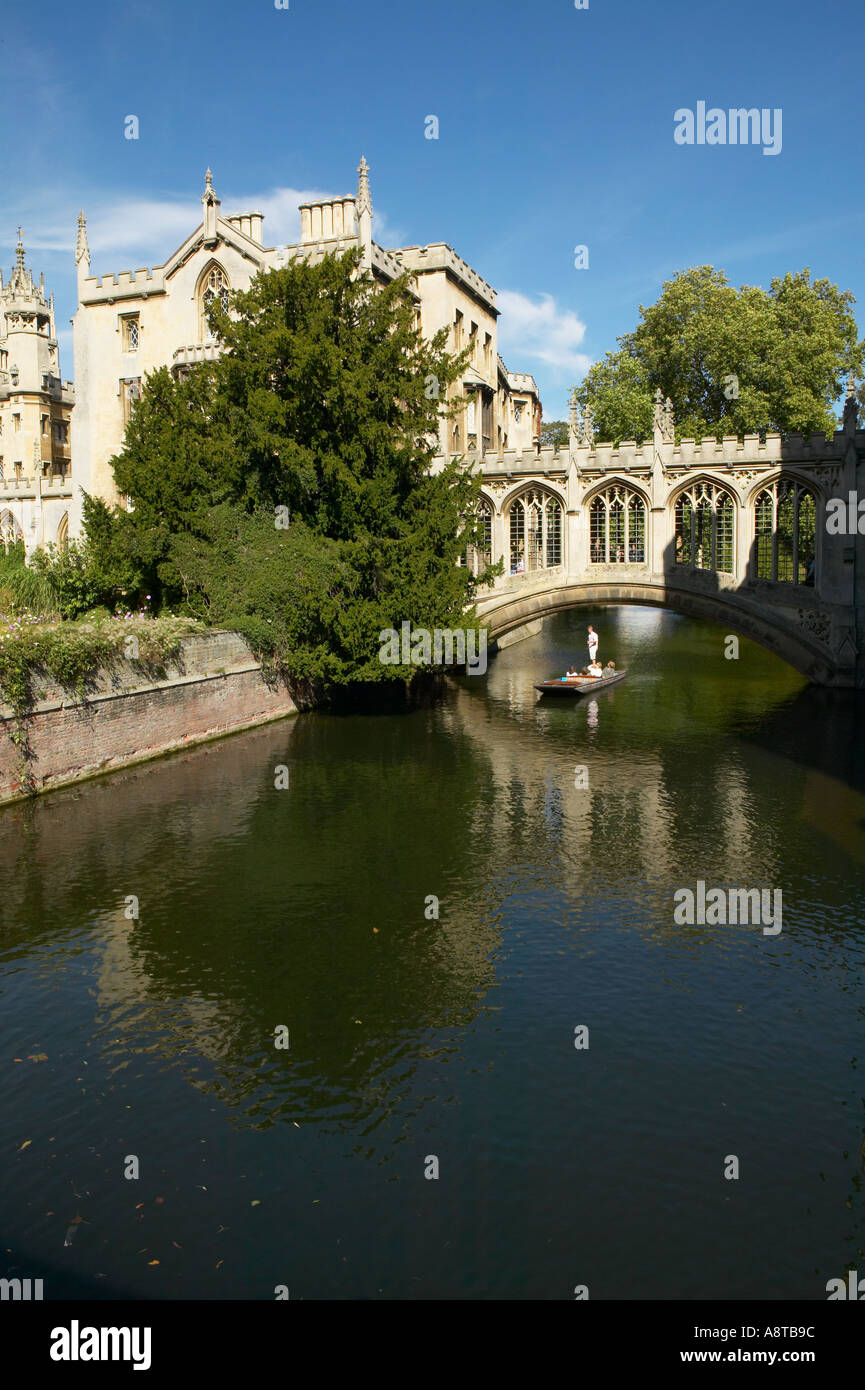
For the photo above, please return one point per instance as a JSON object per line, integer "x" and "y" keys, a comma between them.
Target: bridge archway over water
{"x": 506, "y": 613}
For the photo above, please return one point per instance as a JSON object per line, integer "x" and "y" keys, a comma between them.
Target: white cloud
{"x": 542, "y": 331}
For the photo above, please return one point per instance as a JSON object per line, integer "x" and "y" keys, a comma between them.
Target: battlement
{"x": 439, "y": 256}
{"x": 122, "y": 284}
{"x": 730, "y": 452}
{"x": 125, "y": 277}
{"x": 522, "y": 381}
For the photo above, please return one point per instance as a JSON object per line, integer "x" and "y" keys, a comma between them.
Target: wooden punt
{"x": 585, "y": 685}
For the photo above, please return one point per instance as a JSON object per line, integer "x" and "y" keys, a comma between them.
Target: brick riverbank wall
{"x": 213, "y": 687}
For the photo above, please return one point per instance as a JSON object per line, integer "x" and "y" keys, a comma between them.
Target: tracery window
{"x": 10, "y": 531}
{"x": 705, "y": 527}
{"x": 479, "y": 555}
{"x": 214, "y": 287}
{"x": 617, "y": 527}
{"x": 785, "y": 524}
{"x": 535, "y": 531}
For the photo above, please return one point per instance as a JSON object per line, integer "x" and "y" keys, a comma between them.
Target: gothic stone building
{"x": 129, "y": 323}
{"x": 35, "y": 409}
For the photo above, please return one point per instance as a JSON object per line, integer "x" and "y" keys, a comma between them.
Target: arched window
{"x": 10, "y": 531}
{"x": 785, "y": 523}
{"x": 479, "y": 555}
{"x": 63, "y": 532}
{"x": 213, "y": 286}
{"x": 536, "y": 531}
{"x": 705, "y": 515}
{"x": 617, "y": 527}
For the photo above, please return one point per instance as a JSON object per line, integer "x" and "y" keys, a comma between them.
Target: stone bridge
{"x": 732, "y": 530}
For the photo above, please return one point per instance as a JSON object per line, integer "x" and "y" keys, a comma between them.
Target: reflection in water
{"x": 412, "y": 1034}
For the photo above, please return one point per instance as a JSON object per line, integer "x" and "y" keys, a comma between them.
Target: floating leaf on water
{"x": 37, "y": 1056}
{"x": 153, "y": 1262}
{"x": 219, "y": 1262}
{"x": 256, "y": 1203}
{"x": 140, "y": 1205}
{"x": 178, "y": 1247}
{"x": 160, "y": 1199}
{"x": 25, "y": 1144}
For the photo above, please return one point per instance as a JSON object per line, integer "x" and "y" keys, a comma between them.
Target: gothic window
{"x": 131, "y": 333}
{"x": 535, "y": 531}
{"x": 705, "y": 527}
{"x": 10, "y": 531}
{"x": 212, "y": 290}
{"x": 518, "y": 411}
{"x": 479, "y": 555}
{"x": 617, "y": 527}
{"x": 785, "y": 515}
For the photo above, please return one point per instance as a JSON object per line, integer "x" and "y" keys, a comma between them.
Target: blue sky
{"x": 555, "y": 130}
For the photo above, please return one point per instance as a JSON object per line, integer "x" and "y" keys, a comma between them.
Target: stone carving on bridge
{"x": 663, "y": 418}
{"x": 586, "y": 428}
{"x": 851, "y": 407}
{"x": 814, "y": 622}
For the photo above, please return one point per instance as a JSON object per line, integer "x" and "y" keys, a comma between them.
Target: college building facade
{"x": 129, "y": 323}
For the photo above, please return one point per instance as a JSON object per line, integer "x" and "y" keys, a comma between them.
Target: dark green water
{"x": 412, "y": 1037}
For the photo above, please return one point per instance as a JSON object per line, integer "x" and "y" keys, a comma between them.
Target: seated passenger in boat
{"x": 595, "y": 668}
{"x": 571, "y": 674}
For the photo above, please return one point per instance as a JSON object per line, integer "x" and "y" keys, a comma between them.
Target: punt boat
{"x": 583, "y": 685}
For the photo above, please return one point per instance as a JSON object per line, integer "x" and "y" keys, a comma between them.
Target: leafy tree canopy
{"x": 732, "y": 361}
{"x": 554, "y": 434}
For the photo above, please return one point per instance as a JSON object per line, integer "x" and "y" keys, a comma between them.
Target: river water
{"x": 147, "y": 1044}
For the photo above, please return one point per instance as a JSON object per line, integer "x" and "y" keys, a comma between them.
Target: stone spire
{"x": 20, "y": 280}
{"x": 364, "y": 215}
{"x": 212, "y": 205}
{"x": 573, "y": 417}
{"x": 364, "y": 201}
{"x": 82, "y": 250}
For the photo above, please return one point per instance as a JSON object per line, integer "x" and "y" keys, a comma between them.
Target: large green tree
{"x": 287, "y": 487}
{"x": 732, "y": 361}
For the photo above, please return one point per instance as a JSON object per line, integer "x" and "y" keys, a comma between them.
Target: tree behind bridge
{"x": 732, "y": 361}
